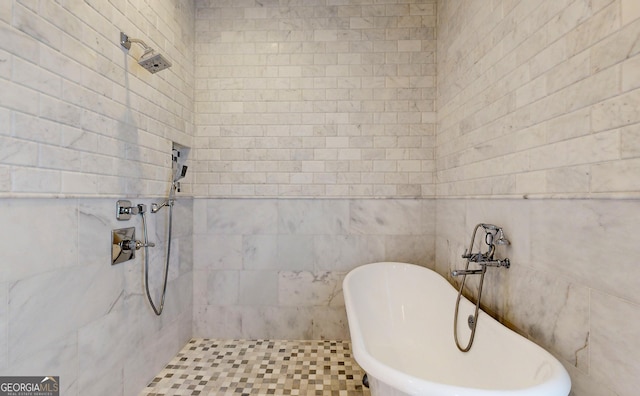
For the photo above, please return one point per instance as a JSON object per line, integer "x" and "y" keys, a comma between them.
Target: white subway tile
{"x": 631, "y": 74}
{"x": 569, "y": 180}
{"x": 17, "y": 97}
{"x": 52, "y": 157}
{"x": 568, "y": 126}
{"x": 42, "y": 31}
{"x": 18, "y": 152}
{"x": 5, "y": 180}
{"x": 601, "y": 24}
{"x": 79, "y": 183}
{"x": 616, "y": 48}
{"x": 5, "y": 11}
{"x": 630, "y": 142}
{"x": 6, "y": 60}
{"x": 33, "y": 180}
{"x": 616, "y": 176}
{"x": 615, "y": 112}
{"x": 630, "y": 11}
{"x": 313, "y": 94}
{"x": 36, "y": 129}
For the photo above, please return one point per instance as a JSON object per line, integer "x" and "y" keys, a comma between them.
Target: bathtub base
{"x": 379, "y": 388}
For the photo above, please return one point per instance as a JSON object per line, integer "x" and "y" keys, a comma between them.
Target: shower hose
{"x": 157, "y": 310}
{"x": 473, "y": 323}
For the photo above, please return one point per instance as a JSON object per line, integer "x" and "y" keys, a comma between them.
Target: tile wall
{"x": 81, "y": 125}
{"x": 540, "y": 100}
{"x": 67, "y": 312}
{"x": 315, "y": 98}
{"x": 79, "y": 115}
{"x": 273, "y": 268}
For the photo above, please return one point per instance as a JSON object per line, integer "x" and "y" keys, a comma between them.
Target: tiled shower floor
{"x": 260, "y": 367}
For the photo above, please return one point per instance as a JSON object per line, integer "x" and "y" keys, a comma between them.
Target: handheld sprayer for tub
{"x": 485, "y": 260}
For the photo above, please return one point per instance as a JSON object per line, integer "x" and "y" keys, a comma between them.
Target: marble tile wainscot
{"x": 273, "y": 268}
{"x": 64, "y": 309}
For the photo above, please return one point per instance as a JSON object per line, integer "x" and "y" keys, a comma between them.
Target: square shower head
{"x": 154, "y": 62}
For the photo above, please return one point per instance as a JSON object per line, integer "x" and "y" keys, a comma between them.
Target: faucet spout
{"x": 479, "y": 258}
{"x": 467, "y": 272}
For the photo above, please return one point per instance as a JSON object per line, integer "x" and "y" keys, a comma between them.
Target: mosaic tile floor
{"x": 260, "y": 367}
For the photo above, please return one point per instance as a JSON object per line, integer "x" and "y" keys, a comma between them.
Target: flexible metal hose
{"x": 157, "y": 311}
{"x": 475, "y": 315}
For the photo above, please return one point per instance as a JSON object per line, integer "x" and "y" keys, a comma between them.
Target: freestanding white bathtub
{"x": 401, "y": 325}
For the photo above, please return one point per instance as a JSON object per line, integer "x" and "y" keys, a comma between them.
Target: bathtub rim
{"x": 412, "y": 385}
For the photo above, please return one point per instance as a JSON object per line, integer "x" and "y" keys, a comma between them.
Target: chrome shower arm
{"x": 142, "y": 44}
{"x": 126, "y": 41}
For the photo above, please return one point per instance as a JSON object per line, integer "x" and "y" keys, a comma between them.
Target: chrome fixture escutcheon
{"x": 119, "y": 245}
{"x": 124, "y": 245}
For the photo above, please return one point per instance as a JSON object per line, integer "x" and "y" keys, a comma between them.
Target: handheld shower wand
{"x": 179, "y": 172}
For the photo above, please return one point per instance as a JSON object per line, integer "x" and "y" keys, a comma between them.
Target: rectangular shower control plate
{"x": 118, "y": 254}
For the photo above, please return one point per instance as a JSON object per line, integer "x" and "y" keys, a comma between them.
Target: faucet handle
{"x": 124, "y": 210}
{"x": 130, "y": 244}
{"x": 466, "y": 254}
{"x": 504, "y": 263}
